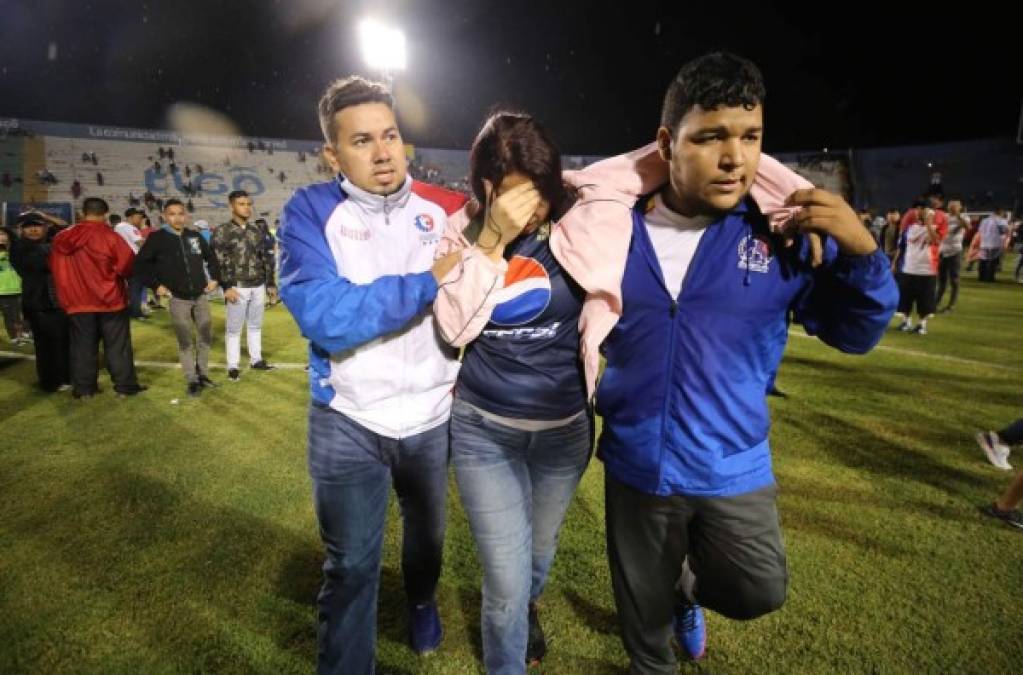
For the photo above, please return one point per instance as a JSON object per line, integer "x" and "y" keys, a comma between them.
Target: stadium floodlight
{"x": 383, "y": 47}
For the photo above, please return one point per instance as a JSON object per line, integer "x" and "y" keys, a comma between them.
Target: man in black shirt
{"x": 174, "y": 259}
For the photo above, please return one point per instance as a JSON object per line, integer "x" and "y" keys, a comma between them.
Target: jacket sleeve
{"x": 226, "y": 278}
{"x": 269, "y": 264}
{"x": 145, "y": 263}
{"x": 332, "y": 312}
{"x": 466, "y": 296}
{"x": 212, "y": 264}
{"x": 850, "y": 301}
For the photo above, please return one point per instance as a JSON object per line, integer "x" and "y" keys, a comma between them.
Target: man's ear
{"x": 330, "y": 155}
{"x": 664, "y": 143}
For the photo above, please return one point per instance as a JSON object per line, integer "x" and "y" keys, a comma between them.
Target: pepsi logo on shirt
{"x": 526, "y": 293}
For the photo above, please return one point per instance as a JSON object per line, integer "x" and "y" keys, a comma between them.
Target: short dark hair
{"x": 237, "y": 194}
{"x": 173, "y": 201}
{"x": 715, "y": 80}
{"x": 114, "y": 219}
{"x": 94, "y": 206}
{"x": 345, "y": 93}
{"x": 512, "y": 142}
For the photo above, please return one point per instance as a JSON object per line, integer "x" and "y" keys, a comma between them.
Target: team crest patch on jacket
{"x": 423, "y": 222}
{"x": 754, "y": 254}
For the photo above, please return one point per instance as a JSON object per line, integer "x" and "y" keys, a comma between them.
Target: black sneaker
{"x": 134, "y": 391}
{"x": 207, "y": 383}
{"x": 776, "y": 392}
{"x": 232, "y": 375}
{"x": 1011, "y": 517}
{"x": 262, "y": 365}
{"x": 536, "y": 645}
{"x": 194, "y": 389}
{"x": 83, "y": 394}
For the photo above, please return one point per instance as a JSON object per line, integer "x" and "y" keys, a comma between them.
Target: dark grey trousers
{"x": 725, "y": 553}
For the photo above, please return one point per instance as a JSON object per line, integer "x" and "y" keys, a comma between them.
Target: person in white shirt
{"x": 951, "y": 251}
{"x": 917, "y": 262}
{"x": 129, "y": 231}
{"x": 992, "y": 231}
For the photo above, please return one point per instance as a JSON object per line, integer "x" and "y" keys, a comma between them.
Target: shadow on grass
{"x": 471, "y": 600}
{"x": 204, "y": 584}
{"x": 859, "y": 448}
{"x": 590, "y": 613}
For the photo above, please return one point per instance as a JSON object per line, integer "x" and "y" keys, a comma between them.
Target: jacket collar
{"x": 376, "y": 203}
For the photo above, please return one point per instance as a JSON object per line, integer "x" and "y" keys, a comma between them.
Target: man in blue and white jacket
{"x": 708, "y": 291}
{"x": 359, "y": 276}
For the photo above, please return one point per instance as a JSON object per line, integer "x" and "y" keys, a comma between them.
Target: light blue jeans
{"x": 515, "y": 487}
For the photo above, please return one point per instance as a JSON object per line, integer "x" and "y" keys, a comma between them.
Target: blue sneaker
{"x": 424, "y": 629}
{"x": 691, "y": 631}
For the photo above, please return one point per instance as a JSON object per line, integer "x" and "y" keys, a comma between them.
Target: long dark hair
{"x": 514, "y": 142}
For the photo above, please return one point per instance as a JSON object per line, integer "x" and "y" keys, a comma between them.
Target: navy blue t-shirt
{"x": 525, "y": 364}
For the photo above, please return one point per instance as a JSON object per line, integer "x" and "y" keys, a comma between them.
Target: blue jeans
{"x": 515, "y": 487}
{"x": 352, "y": 470}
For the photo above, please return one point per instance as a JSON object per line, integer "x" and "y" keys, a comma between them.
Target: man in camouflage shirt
{"x": 246, "y": 275}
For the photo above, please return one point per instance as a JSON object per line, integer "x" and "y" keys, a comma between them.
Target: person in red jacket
{"x": 91, "y": 264}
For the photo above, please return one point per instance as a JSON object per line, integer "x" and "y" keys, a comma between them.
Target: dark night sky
{"x": 594, "y": 72}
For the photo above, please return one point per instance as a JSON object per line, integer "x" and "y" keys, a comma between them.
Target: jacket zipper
{"x": 188, "y": 268}
{"x": 672, "y": 339}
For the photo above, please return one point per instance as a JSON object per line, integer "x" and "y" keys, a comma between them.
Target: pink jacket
{"x": 591, "y": 242}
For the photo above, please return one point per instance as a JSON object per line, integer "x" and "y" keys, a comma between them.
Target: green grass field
{"x": 141, "y": 536}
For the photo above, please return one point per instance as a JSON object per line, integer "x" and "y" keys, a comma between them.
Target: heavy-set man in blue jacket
{"x": 708, "y": 291}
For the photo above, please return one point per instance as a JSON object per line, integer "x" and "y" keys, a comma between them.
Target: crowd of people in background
{"x": 68, "y": 288}
{"x": 928, "y": 246}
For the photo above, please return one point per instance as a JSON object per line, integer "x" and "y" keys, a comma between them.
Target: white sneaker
{"x": 906, "y": 327}
{"x": 996, "y": 451}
